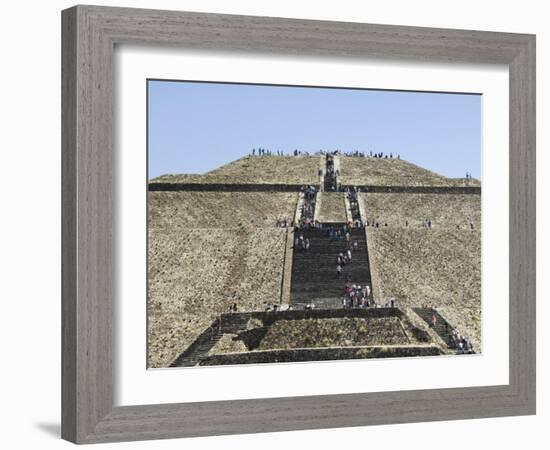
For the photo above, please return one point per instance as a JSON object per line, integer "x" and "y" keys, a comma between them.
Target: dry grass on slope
{"x": 196, "y": 276}
{"x": 206, "y": 251}
{"x": 439, "y": 268}
{"x": 444, "y": 210}
{"x": 392, "y": 172}
{"x": 332, "y": 207}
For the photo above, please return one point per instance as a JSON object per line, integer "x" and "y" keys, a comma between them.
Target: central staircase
{"x": 331, "y": 183}
{"x": 314, "y": 280}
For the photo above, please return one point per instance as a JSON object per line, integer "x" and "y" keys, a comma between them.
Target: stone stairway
{"x": 200, "y": 347}
{"x": 314, "y": 279}
{"x": 354, "y": 205}
{"x": 330, "y": 175}
{"x": 308, "y": 204}
{"x": 198, "y": 350}
{"x": 442, "y": 327}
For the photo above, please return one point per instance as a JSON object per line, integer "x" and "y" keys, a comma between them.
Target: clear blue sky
{"x": 196, "y": 127}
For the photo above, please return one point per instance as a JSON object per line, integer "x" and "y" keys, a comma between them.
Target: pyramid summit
{"x": 305, "y": 170}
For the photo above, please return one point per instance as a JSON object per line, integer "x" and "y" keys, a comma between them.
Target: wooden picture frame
{"x": 90, "y": 34}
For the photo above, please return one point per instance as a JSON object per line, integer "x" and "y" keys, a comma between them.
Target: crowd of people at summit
{"x": 260, "y": 151}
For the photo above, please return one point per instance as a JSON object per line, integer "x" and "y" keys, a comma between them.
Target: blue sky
{"x": 196, "y": 127}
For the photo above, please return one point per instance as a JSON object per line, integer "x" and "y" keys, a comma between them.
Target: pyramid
{"x": 214, "y": 241}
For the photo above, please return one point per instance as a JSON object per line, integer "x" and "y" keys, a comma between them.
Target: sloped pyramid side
{"x": 392, "y": 172}
{"x": 293, "y": 170}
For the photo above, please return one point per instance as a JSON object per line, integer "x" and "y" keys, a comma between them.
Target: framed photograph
{"x": 278, "y": 224}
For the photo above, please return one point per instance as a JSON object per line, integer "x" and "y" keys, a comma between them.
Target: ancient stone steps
{"x": 442, "y": 327}
{"x": 328, "y": 276}
{"x": 314, "y": 278}
{"x": 198, "y": 350}
{"x": 320, "y": 303}
{"x": 331, "y": 258}
{"x": 330, "y": 181}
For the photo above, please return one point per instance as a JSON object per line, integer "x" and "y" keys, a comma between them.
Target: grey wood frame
{"x": 89, "y": 36}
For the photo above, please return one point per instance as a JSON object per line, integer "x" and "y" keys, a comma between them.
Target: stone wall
{"x": 320, "y": 354}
